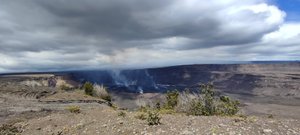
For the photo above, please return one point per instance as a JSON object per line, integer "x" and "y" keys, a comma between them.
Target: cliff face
{"x": 267, "y": 79}
{"x": 248, "y": 79}
{"x": 275, "y": 80}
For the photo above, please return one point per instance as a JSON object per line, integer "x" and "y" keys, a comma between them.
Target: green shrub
{"x": 227, "y": 106}
{"x": 74, "y": 109}
{"x": 208, "y": 99}
{"x": 9, "y": 129}
{"x": 88, "y": 88}
{"x": 204, "y": 102}
{"x": 270, "y": 116}
{"x": 207, "y": 103}
{"x": 196, "y": 108}
{"x": 153, "y": 118}
{"x": 171, "y": 99}
{"x": 121, "y": 114}
{"x": 225, "y": 99}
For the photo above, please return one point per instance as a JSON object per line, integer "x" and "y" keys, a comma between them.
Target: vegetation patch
{"x": 122, "y": 114}
{"x": 88, "y": 88}
{"x": 270, "y": 116}
{"x": 153, "y": 118}
{"x": 96, "y": 90}
{"x": 141, "y": 116}
{"x": 74, "y": 109}
{"x": 171, "y": 99}
{"x": 65, "y": 87}
{"x": 101, "y": 91}
{"x": 8, "y": 129}
{"x": 202, "y": 102}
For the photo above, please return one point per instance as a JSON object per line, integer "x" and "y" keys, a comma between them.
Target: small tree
{"x": 172, "y": 99}
{"x": 207, "y": 90}
{"x": 88, "y": 88}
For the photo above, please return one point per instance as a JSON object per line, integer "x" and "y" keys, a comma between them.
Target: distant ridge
{"x": 212, "y": 63}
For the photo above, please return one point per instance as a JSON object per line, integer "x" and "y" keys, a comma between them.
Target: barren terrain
{"x": 35, "y": 104}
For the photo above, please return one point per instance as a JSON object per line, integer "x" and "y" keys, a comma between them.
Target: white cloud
{"x": 54, "y": 35}
{"x": 288, "y": 31}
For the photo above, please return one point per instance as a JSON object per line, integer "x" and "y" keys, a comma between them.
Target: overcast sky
{"x": 48, "y": 35}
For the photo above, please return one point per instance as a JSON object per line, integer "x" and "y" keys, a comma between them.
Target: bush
{"x": 121, "y": 114}
{"x": 144, "y": 108}
{"x": 208, "y": 99}
{"x": 88, "y": 88}
{"x": 270, "y": 116}
{"x": 101, "y": 91}
{"x": 185, "y": 100}
{"x": 205, "y": 102}
{"x": 141, "y": 116}
{"x": 208, "y": 104}
{"x": 153, "y": 118}
{"x": 227, "y": 106}
{"x": 196, "y": 108}
{"x": 74, "y": 109}
{"x": 171, "y": 99}
{"x": 9, "y": 129}
{"x": 65, "y": 87}
{"x": 157, "y": 105}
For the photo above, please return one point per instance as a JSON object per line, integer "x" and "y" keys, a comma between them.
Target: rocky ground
{"x": 103, "y": 120}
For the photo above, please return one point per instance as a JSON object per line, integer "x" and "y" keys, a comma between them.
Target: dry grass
{"x": 184, "y": 100}
{"x": 73, "y": 109}
{"x": 101, "y": 91}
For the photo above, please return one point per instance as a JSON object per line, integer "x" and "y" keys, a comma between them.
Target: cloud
{"x": 95, "y": 34}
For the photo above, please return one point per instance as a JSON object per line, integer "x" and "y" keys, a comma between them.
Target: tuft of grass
{"x": 270, "y": 116}
{"x": 114, "y": 106}
{"x": 8, "y": 129}
{"x": 242, "y": 116}
{"x": 65, "y": 87}
{"x": 73, "y": 109}
{"x": 102, "y": 92}
{"x": 122, "y": 114}
{"x": 141, "y": 116}
{"x": 252, "y": 119}
{"x": 166, "y": 111}
{"x": 153, "y": 118}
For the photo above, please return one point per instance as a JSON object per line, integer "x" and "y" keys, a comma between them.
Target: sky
{"x": 54, "y": 35}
